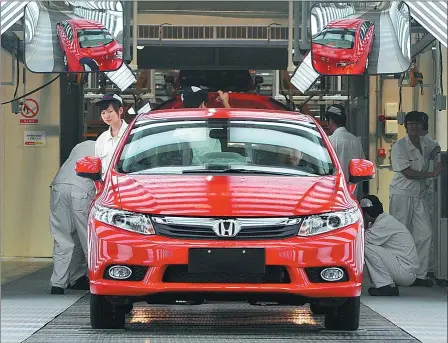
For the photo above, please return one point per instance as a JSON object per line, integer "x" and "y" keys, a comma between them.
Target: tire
{"x": 344, "y": 317}
{"x": 316, "y": 309}
{"x": 104, "y": 315}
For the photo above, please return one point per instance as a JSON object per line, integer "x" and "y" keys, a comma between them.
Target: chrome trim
{"x": 210, "y": 222}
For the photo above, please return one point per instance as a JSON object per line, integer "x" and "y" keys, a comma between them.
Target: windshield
{"x": 176, "y": 147}
{"x": 336, "y": 38}
{"x": 94, "y": 37}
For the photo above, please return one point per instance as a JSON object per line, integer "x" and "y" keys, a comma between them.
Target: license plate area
{"x": 227, "y": 260}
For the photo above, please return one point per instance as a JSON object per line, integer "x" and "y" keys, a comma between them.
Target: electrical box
{"x": 441, "y": 102}
{"x": 391, "y": 127}
{"x": 390, "y": 110}
{"x": 400, "y": 117}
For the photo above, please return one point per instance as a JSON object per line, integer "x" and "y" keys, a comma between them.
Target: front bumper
{"x": 341, "y": 248}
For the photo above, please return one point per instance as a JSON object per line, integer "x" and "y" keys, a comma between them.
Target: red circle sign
{"x": 30, "y": 108}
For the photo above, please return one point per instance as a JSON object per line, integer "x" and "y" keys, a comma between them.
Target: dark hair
{"x": 194, "y": 99}
{"x": 338, "y": 119}
{"x": 116, "y": 105}
{"x": 425, "y": 121}
{"x": 413, "y": 116}
{"x": 376, "y": 207}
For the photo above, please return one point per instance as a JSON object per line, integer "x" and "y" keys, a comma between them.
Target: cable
{"x": 441, "y": 68}
{"x": 17, "y": 68}
{"x": 33, "y": 91}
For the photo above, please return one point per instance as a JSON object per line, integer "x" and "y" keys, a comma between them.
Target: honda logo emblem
{"x": 227, "y": 228}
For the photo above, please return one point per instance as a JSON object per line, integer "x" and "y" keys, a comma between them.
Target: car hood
{"x": 101, "y": 51}
{"x": 219, "y": 195}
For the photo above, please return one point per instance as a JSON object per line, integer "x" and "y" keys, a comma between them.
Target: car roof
{"x": 85, "y": 24}
{"x": 225, "y": 113}
{"x": 346, "y": 23}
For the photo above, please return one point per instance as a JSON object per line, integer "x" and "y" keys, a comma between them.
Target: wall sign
{"x": 35, "y": 138}
{"x": 29, "y": 113}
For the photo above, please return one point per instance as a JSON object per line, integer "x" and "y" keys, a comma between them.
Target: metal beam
{"x": 214, "y": 42}
{"x": 422, "y": 45}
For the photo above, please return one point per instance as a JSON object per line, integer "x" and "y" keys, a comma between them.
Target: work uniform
{"x": 106, "y": 144}
{"x": 429, "y": 191}
{"x": 70, "y": 200}
{"x": 406, "y": 201}
{"x": 390, "y": 253}
{"x": 347, "y": 147}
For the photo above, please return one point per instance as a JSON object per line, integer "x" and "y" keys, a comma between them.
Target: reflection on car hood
{"x": 235, "y": 195}
{"x": 100, "y": 50}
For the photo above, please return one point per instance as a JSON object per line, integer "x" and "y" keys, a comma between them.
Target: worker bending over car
{"x": 70, "y": 200}
{"x": 390, "y": 252}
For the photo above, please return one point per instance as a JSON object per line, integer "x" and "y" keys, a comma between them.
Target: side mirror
{"x": 361, "y": 170}
{"x": 89, "y": 167}
{"x": 259, "y": 80}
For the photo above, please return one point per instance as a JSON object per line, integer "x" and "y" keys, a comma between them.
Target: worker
{"x": 111, "y": 107}
{"x": 390, "y": 252}
{"x": 406, "y": 201}
{"x": 346, "y": 145}
{"x": 432, "y": 148}
{"x": 195, "y": 97}
{"x": 70, "y": 199}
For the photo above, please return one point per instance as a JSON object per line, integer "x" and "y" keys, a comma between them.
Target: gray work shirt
{"x": 393, "y": 236}
{"x": 67, "y": 174}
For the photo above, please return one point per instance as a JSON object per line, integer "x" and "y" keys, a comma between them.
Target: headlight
{"x": 318, "y": 224}
{"x": 134, "y": 222}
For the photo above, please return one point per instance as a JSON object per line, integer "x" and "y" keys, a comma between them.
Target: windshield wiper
{"x": 238, "y": 171}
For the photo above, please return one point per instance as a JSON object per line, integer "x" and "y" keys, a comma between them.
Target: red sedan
{"x": 343, "y": 47}
{"x": 225, "y": 204}
{"x": 88, "y": 46}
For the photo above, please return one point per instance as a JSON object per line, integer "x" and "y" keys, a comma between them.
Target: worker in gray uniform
{"x": 346, "y": 144}
{"x": 432, "y": 148}
{"x": 390, "y": 253}
{"x": 409, "y": 157}
{"x": 70, "y": 200}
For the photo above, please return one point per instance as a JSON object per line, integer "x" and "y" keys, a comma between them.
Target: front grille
{"x": 179, "y": 273}
{"x": 313, "y": 275}
{"x": 246, "y": 233}
{"x": 138, "y": 273}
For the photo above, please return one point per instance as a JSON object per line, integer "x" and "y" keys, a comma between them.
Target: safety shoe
{"x": 386, "y": 291}
{"x": 423, "y": 283}
{"x": 57, "y": 290}
{"x": 81, "y": 284}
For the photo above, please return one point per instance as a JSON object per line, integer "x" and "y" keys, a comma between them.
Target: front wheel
{"x": 104, "y": 315}
{"x": 344, "y": 317}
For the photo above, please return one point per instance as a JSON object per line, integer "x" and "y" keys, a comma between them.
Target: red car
{"x": 225, "y": 204}
{"x": 343, "y": 47}
{"x": 88, "y": 46}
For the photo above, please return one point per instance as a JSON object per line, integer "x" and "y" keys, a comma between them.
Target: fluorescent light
{"x": 140, "y": 47}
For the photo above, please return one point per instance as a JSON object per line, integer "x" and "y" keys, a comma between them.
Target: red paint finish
{"x": 108, "y": 56}
{"x": 327, "y": 59}
{"x": 218, "y": 196}
{"x": 88, "y": 165}
{"x": 362, "y": 168}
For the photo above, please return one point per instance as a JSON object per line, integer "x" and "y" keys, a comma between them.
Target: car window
{"x": 89, "y": 38}
{"x": 336, "y": 38}
{"x": 174, "y": 147}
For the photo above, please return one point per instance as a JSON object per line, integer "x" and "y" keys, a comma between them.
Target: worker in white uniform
{"x": 346, "y": 144}
{"x": 111, "y": 107}
{"x": 432, "y": 148}
{"x": 406, "y": 202}
{"x": 70, "y": 199}
{"x": 390, "y": 252}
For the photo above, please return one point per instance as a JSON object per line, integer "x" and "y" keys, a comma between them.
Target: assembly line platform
{"x": 31, "y": 314}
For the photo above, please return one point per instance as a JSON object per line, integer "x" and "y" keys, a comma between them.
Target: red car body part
{"x": 343, "y": 47}
{"x": 87, "y": 46}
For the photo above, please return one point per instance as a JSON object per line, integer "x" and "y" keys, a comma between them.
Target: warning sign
{"x": 35, "y": 138}
{"x": 29, "y": 113}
